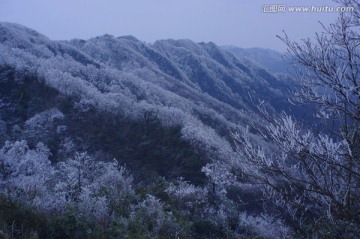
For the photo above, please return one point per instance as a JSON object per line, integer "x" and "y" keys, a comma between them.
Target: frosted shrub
{"x": 183, "y": 190}
{"x": 26, "y": 173}
{"x": 264, "y": 225}
{"x": 93, "y": 188}
{"x": 189, "y": 199}
{"x": 150, "y": 218}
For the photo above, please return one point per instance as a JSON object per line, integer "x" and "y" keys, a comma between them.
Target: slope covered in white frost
{"x": 198, "y": 86}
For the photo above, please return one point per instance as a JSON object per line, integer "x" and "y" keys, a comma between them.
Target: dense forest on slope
{"x": 113, "y": 137}
{"x": 164, "y": 111}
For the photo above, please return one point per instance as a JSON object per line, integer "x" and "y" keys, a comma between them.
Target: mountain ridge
{"x": 203, "y": 88}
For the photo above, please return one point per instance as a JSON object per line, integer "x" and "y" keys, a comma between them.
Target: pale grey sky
{"x": 224, "y": 22}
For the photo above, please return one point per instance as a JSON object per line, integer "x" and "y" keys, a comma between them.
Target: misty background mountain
{"x": 269, "y": 59}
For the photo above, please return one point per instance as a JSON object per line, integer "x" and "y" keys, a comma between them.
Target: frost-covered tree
{"x": 26, "y": 173}
{"x": 328, "y": 71}
{"x": 189, "y": 199}
{"x": 94, "y": 189}
{"x": 43, "y": 126}
{"x": 149, "y": 219}
{"x": 314, "y": 178}
{"x": 305, "y": 175}
{"x": 264, "y": 226}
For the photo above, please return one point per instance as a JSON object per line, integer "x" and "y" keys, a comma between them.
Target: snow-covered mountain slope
{"x": 203, "y": 66}
{"x": 200, "y": 87}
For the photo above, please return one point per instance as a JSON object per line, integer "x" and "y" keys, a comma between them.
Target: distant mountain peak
{"x": 128, "y": 37}
{"x": 269, "y": 59}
